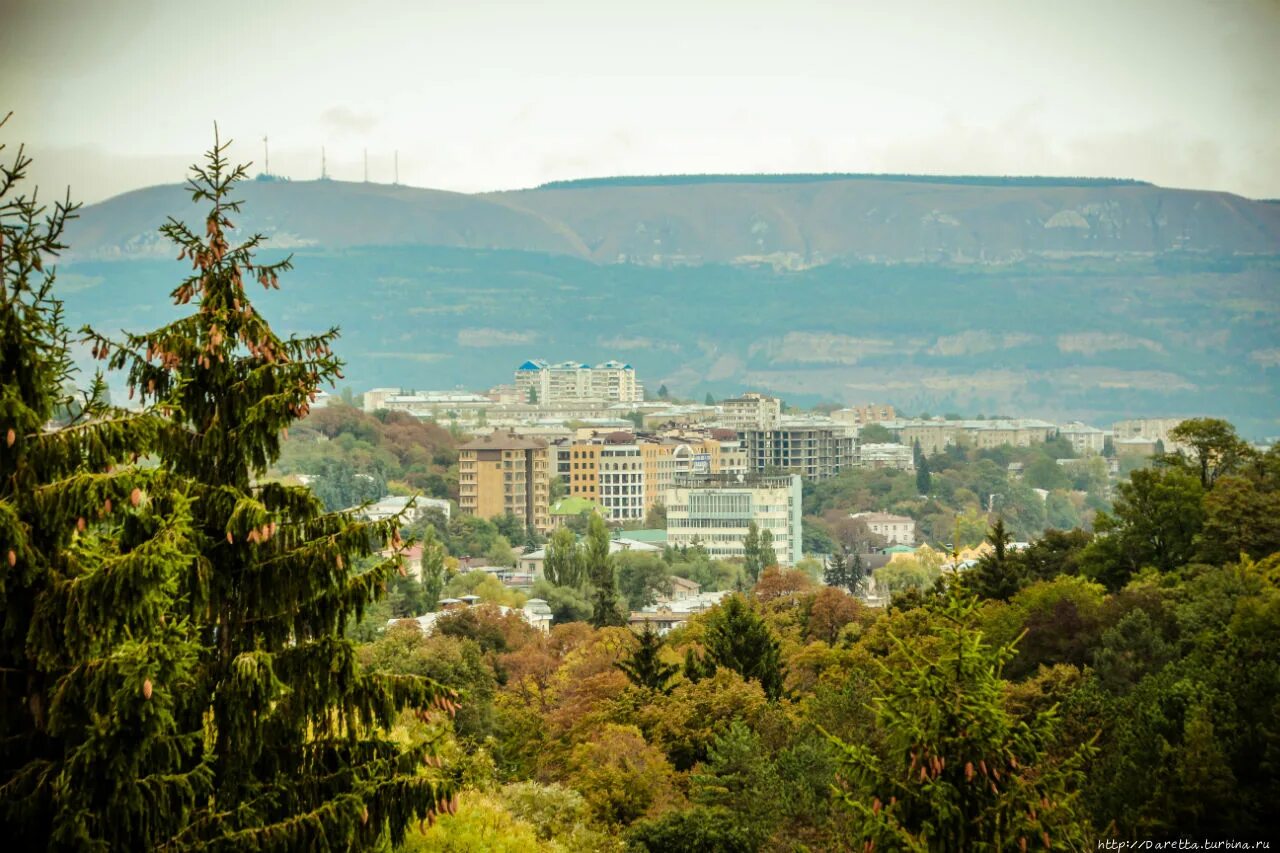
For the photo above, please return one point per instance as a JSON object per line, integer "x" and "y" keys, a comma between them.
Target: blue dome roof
{"x": 530, "y": 365}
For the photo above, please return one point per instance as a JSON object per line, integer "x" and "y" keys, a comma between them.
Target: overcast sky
{"x": 475, "y": 95}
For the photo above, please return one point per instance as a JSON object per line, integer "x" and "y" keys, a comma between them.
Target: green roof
{"x": 653, "y": 536}
{"x": 575, "y": 506}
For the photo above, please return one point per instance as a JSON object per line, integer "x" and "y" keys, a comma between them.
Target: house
{"x": 391, "y": 505}
{"x": 660, "y": 622}
{"x": 566, "y": 509}
{"x": 896, "y": 529}
{"x": 531, "y": 563}
{"x": 535, "y": 611}
{"x": 682, "y": 589}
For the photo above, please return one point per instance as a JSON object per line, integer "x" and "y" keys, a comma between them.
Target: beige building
{"x": 935, "y": 436}
{"x": 871, "y": 413}
{"x": 716, "y": 511}
{"x": 896, "y": 529}
{"x": 570, "y": 381}
{"x": 1152, "y": 429}
{"x": 436, "y": 405}
{"x": 750, "y": 411}
{"x": 1085, "y": 440}
{"x": 502, "y": 473}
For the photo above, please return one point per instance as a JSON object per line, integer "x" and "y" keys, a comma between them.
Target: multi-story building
{"x": 935, "y": 436}
{"x": 898, "y": 456}
{"x": 869, "y": 414}
{"x": 570, "y": 381}
{"x": 815, "y": 448}
{"x": 504, "y": 472}
{"x": 1085, "y": 440}
{"x": 750, "y": 411}
{"x": 715, "y": 511}
{"x": 438, "y": 405}
{"x": 1153, "y": 429}
{"x": 628, "y": 473}
{"x": 896, "y": 529}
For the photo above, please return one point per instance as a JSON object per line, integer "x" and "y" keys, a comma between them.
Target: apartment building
{"x": 571, "y": 381}
{"x": 871, "y": 413}
{"x": 899, "y": 456}
{"x": 896, "y": 529}
{"x": 815, "y": 448}
{"x": 715, "y": 511}
{"x": 628, "y": 474}
{"x": 750, "y": 411}
{"x": 505, "y": 472}
{"x": 935, "y": 436}
{"x": 1085, "y": 440}
{"x": 1152, "y": 429}
{"x": 437, "y": 405}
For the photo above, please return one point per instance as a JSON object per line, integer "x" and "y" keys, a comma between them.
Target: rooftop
{"x": 504, "y": 441}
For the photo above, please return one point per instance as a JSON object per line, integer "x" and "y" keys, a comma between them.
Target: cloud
{"x": 1094, "y": 342}
{"x": 494, "y": 337}
{"x": 344, "y": 121}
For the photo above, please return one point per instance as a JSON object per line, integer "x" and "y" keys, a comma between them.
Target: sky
{"x": 477, "y": 95}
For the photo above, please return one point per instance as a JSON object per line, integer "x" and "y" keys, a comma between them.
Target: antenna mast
{"x": 324, "y": 166}
{"x": 266, "y": 157}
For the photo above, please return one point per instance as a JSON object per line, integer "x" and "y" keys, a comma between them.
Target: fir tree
{"x": 738, "y": 639}
{"x": 96, "y": 654}
{"x": 645, "y": 667}
{"x": 998, "y": 574}
{"x": 697, "y": 666}
{"x": 836, "y": 571}
{"x": 954, "y": 769}
{"x": 924, "y": 477}
{"x": 599, "y": 569}
{"x": 296, "y": 734}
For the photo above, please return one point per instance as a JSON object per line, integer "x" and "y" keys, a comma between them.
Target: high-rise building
{"x": 504, "y": 472}
{"x": 814, "y": 448}
{"x": 572, "y": 381}
{"x": 715, "y": 511}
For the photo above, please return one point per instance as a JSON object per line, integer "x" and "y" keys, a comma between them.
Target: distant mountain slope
{"x": 789, "y": 221}
{"x": 328, "y": 214}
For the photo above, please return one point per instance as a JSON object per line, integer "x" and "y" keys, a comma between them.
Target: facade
{"x": 871, "y": 413}
{"x": 715, "y": 512}
{"x": 502, "y": 473}
{"x": 897, "y": 456}
{"x": 815, "y": 448}
{"x": 437, "y": 405}
{"x": 935, "y": 436}
{"x": 383, "y": 509}
{"x": 751, "y": 411}
{"x": 1153, "y": 429}
{"x": 1085, "y": 440}
{"x": 570, "y": 381}
{"x": 896, "y": 529}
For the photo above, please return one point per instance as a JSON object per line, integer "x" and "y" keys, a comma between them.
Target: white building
{"x": 884, "y": 456}
{"x": 896, "y": 529}
{"x": 1085, "y": 440}
{"x": 715, "y": 512}
{"x": 569, "y": 381}
{"x": 438, "y": 405}
{"x": 383, "y": 509}
{"x": 531, "y": 563}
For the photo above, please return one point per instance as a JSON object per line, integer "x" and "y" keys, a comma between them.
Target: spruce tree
{"x": 645, "y": 668}
{"x": 95, "y": 651}
{"x": 998, "y": 574}
{"x": 953, "y": 768}
{"x": 836, "y": 572}
{"x": 924, "y": 477}
{"x": 296, "y": 735}
{"x": 738, "y": 639}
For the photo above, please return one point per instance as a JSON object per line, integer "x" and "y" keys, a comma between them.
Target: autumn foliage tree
{"x": 296, "y": 740}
